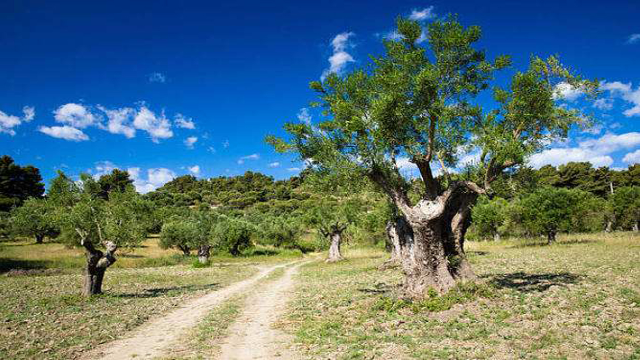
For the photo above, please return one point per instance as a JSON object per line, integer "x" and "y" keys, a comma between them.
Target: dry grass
{"x": 578, "y": 299}
{"x": 45, "y": 317}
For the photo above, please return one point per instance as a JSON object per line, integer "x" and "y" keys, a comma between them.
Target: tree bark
{"x": 496, "y": 236}
{"x": 551, "y": 237}
{"x": 397, "y": 230}
{"x": 203, "y": 254}
{"x": 185, "y": 250}
{"x": 636, "y": 227}
{"x": 39, "y": 238}
{"x": 432, "y": 256}
{"x": 334, "y": 249}
{"x": 97, "y": 264}
{"x": 609, "y": 227}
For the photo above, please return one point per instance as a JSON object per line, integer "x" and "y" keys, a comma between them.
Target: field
{"x": 577, "y": 299}
{"x": 42, "y": 314}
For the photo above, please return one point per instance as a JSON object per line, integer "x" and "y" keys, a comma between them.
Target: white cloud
{"x": 156, "y": 177}
{"x": 340, "y": 57}
{"x": 274, "y": 164}
{"x": 157, "y": 77}
{"x": 603, "y": 104}
{"x": 157, "y": 126}
{"x": 304, "y": 116}
{"x": 294, "y": 169}
{"x": 183, "y": 122}
{"x": 560, "y": 156}
{"x": 566, "y": 91}
{"x": 632, "y": 157}
{"x": 29, "y": 113}
{"x": 633, "y": 38}
{"x": 119, "y": 121}
{"x": 195, "y": 169}
{"x": 248, "y": 157}
{"x": 404, "y": 163}
{"x": 424, "y": 14}
{"x": 75, "y": 115}
{"x": 8, "y": 122}
{"x": 190, "y": 141}
{"x": 104, "y": 168}
{"x": 225, "y": 144}
{"x": 64, "y": 132}
{"x": 609, "y": 142}
{"x": 596, "y": 151}
{"x": 625, "y": 92}
{"x": 211, "y": 149}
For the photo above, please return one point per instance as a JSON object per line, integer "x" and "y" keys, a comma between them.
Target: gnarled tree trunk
{"x": 39, "y": 238}
{"x": 97, "y": 264}
{"x": 551, "y": 237}
{"x": 203, "y": 253}
{"x": 334, "y": 249}
{"x": 434, "y": 257}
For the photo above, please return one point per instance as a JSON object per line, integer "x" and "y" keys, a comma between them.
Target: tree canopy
{"x": 18, "y": 183}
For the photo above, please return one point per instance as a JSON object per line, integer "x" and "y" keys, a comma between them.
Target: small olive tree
{"x": 231, "y": 235}
{"x": 100, "y": 226}
{"x": 34, "y": 218}
{"x": 626, "y": 207}
{"x": 489, "y": 217}
{"x": 550, "y": 210}
{"x": 187, "y": 230}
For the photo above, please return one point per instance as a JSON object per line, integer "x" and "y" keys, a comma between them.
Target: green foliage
{"x": 117, "y": 181}
{"x": 82, "y": 214}
{"x": 417, "y": 102}
{"x": 35, "y": 218}
{"x": 18, "y": 183}
{"x": 490, "y": 216}
{"x": 231, "y": 235}
{"x": 626, "y": 207}
{"x": 550, "y": 210}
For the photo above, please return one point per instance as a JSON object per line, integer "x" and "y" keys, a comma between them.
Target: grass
{"x": 46, "y": 317}
{"x": 577, "y": 299}
{"x": 26, "y": 255}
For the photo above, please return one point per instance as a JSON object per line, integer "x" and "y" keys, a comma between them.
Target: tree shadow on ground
{"x": 7, "y": 265}
{"x": 477, "y": 253}
{"x": 544, "y": 243}
{"x": 524, "y": 282}
{"x": 156, "y": 292}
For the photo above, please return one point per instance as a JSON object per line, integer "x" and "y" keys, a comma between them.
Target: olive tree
{"x": 489, "y": 216}
{"x": 231, "y": 235}
{"x": 34, "y": 218}
{"x": 626, "y": 207}
{"x": 100, "y": 226}
{"x": 550, "y": 210}
{"x": 418, "y": 104}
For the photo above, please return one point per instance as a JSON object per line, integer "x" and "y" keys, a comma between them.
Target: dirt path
{"x": 252, "y": 336}
{"x": 152, "y": 339}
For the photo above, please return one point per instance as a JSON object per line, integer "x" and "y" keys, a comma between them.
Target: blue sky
{"x": 166, "y": 89}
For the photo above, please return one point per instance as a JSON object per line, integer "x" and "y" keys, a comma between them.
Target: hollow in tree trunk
{"x": 97, "y": 264}
{"x": 203, "y": 253}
